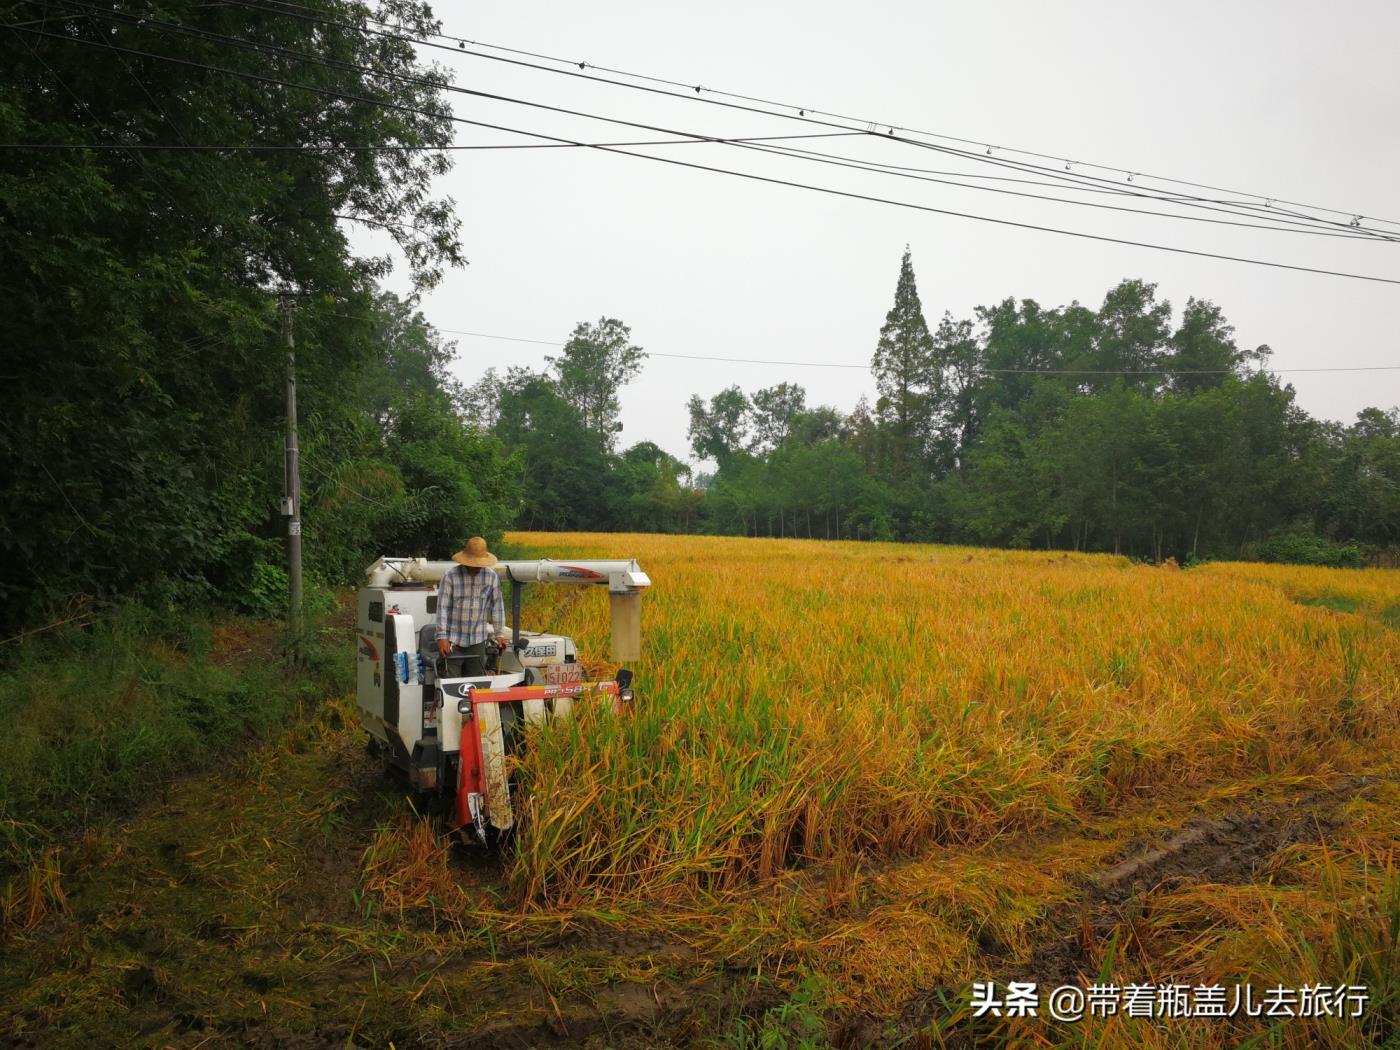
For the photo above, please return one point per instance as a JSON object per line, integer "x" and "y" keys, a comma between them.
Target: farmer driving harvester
{"x": 469, "y": 606}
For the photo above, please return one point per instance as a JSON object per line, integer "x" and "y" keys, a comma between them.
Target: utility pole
{"x": 291, "y": 502}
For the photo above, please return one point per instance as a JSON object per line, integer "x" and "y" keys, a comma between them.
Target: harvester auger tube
{"x": 453, "y": 735}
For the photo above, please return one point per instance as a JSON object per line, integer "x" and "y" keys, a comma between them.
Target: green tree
{"x": 1023, "y": 345}
{"x": 737, "y": 499}
{"x": 598, "y": 360}
{"x": 1133, "y": 330}
{"x": 814, "y": 425}
{"x": 648, "y": 492}
{"x": 1363, "y": 498}
{"x": 1010, "y": 490}
{"x": 480, "y": 403}
{"x": 905, "y": 372}
{"x": 141, "y": 451}
{"x": 564, "y": 464}
{"x": 721, "y": 430}
{"x": 1203, "y": 351}
{"x": 953, "y": 422}
{"x": 773, "y": 410}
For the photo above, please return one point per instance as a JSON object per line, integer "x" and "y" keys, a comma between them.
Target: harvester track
{"x": 1232, "y": 847}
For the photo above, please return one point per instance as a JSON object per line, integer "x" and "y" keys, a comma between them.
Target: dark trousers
{"x": 471, "y": 658}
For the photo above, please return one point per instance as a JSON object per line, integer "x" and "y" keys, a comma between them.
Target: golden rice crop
{"x": 1375, "y": 592}
{"x": 802, "y": 701}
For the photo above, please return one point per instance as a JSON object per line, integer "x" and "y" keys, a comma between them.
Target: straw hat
{"x": 475, "y": 554}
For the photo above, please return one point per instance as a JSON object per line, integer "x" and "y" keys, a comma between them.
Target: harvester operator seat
{"x": 427, "y": 649}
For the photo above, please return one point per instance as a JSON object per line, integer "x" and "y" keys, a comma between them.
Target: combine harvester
{"x": 451, "y": 734}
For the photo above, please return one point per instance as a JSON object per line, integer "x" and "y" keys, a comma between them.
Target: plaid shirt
{"x": 466, "y": 603}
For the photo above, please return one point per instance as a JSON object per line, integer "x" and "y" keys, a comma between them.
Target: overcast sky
{"x": 1281, "y": 99}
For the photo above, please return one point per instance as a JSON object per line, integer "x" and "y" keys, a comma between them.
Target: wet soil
{"x": 229, "y": 911}
{"x": 1233, "y": 847}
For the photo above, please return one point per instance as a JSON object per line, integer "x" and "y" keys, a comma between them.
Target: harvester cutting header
{"x": 449, "y": 731}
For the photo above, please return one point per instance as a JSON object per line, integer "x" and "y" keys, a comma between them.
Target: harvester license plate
{"x": 563, "y": 674}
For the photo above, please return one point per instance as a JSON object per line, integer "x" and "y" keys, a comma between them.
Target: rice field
{"x": 803, "y": 702}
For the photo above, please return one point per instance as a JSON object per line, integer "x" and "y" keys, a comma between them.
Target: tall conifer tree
{"x": 904, "y": 370}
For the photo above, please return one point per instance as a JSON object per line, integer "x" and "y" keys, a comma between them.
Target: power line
{"x": 1084, "y": 181}
{"x": 802, "y": 111}
{"x": 976, "y": 143}
{"x": 873, "y": 166}
{"x": 556, "y": 344}
{"x": 808, "y": 155}
{"x": 255, "y": 147}
{"x": 1072, "y": 180}
{"x": 878, "y": 167}
{"x": 259, "y": 78}
{"x": 1075, "y": 180}
{"x": 1276, "y": 225}
{"x": 836, "y": 160}
{"x": 802, "y": 154}
{"x": 694, "y": 140}
{"x": 946, "y": 211}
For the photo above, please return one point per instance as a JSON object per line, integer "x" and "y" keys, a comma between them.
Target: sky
{"x": 1274, "y": 99}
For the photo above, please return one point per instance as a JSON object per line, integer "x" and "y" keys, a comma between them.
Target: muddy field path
{"x": 231, "y": 910}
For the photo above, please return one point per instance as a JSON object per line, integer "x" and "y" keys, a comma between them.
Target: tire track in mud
{"x": 1230, "y": 848}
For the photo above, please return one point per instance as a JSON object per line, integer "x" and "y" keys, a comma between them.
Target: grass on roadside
{"x": 97, "y": 717}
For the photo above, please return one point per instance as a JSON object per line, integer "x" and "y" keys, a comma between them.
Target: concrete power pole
{"x": 291, "y": 503}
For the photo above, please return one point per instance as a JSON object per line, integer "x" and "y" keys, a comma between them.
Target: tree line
{"x": 1121, "y": 428}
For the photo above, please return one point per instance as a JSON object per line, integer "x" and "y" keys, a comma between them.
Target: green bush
{"x": 1301, "y": 548}
{"x": 265, "y": 594}
{"x": 266, "y": 591}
